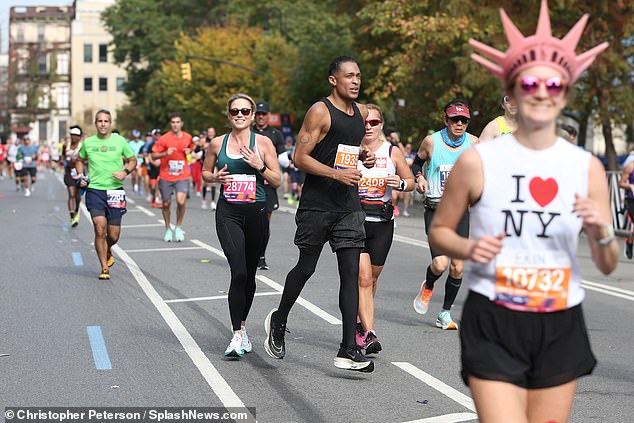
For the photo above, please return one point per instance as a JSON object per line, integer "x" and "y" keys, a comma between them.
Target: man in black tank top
{"x": 329, "y": 209}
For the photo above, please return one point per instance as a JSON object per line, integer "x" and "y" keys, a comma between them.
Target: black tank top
{"x": 325, "y": 194}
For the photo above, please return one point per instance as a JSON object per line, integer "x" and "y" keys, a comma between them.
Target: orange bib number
{"x": 532, "y": 281}
{"x": 347, "y": 157}
{"x": 241, "y": 189}
{"x": 372, "y": 187}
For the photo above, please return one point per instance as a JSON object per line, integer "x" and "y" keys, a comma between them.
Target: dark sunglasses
{"x": 373, "y": 122}
{"x": 457, "y": 119}
{"x": 530, "y": 84}
{"x": 245, "y": 112}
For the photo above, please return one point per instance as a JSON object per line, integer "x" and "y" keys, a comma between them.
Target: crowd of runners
{"x": 514, "y": 205}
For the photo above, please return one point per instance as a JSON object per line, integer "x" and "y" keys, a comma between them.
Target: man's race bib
{"x": 528, "y": 280}
{"x": 241, "y": 189}
{"x": 444, "y": 171}
{"x": 347, "y": 157}
{"x": 373, "y": 186}
{"x": 18, "y": 165}
{"x": 28, "y": 160}
{"x": 115, "y": 198}
{"x": 175, "y": 167}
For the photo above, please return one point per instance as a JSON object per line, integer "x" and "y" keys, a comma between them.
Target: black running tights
{"x": 348, "y": 264}
{"x": 241, "y": 231}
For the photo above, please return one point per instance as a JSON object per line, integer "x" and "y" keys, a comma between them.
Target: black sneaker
{"x": 628, "y": 249}
{"x": 274, "y": 342}
{"x": 372, "y": 344}
{"x": 353, "y": 359}
{"x": 262, "y": 264}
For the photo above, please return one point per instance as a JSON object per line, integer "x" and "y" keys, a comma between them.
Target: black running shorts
{"x": 378, "y": 240}
{"x": 272, "y": 202}
{"x": 529, "y": 350}
{"x": 342, "y": 230}
{"x": 462, "y": 229}
{"x": 97, "y": 205}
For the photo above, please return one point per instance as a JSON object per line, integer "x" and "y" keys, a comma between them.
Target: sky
{"x": 5, "y": 6}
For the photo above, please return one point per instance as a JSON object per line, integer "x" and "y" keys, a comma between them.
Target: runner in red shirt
{"x": 173, "y": 148}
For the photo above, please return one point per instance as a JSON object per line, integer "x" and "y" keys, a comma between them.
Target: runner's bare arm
{"x": 464, "y": 187}
{"x": 403, "y": 171}
{"x": 314, "y": 128}
{"x": 424, "y": 153}
{"x": 490, "y": 131}
{"x": 595, "y": 212}
{"x": 624, "y": 181}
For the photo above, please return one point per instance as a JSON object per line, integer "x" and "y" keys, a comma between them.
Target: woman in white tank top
{"x": 523, "y": 337}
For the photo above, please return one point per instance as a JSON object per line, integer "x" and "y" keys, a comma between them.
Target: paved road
{"x": 164, "y": 322}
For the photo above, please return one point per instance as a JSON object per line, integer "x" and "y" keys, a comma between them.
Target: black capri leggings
{"x": 241, "y": 229}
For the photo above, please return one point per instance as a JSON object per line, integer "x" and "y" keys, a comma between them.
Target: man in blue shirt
{"x": 27, "y": 154}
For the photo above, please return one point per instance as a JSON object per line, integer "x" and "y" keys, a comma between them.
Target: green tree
{"x": 203, "y": 99}
{"x": 423, "y": 56}
{"x": 144, "y": 32}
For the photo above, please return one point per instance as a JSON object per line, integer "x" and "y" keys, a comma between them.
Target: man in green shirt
{"x": 105, "y": 198}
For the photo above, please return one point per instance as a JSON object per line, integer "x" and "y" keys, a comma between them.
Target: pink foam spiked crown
{"x": 539, "y": 49}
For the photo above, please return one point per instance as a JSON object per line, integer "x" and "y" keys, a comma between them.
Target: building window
{"x": 63, "y": 61}
{"x": 87, "y": 53}
{"x": 43, "y": 99}
{"x": 41, "y": 64}
{"x": 87, "y": 84}
{"x": 21, "y": 100}
{"x": 40, "y": 32}
{"x": 103, "y": 53}
{"x": 120, "y": 83}
{"x": 103, "y": 84}
{"x": 22, "y": 61}
{"x": 20, "y": 36}
{"x": 63, "y": 96}
{"x": 61, "y": 132}
{"x": 43, "y": 129}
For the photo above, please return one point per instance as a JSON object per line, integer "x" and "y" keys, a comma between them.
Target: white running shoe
{"x": 235, "y": 347}
{"x": 445, "y": 322}
{"x": 246, "y": 342}
{"x": 204, "y": 206}
{"x": 213, "y": 205}
{"x": 27, "y": 192}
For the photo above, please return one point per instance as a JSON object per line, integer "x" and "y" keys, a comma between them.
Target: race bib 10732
{"x": 533, "y": 280}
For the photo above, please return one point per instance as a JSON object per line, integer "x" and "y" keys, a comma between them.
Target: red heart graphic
{"x": 543, "y": 191}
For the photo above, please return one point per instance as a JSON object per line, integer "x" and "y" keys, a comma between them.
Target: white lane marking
{"x": 603, "y": 291}
{"x": 146, "y": 211}
{"x": 591, "y": 286}
{"x": 211, "y": 375}
{"x": 448, "y": 418}
{"x": 301, "y": 301}
{"x": 143, "y": 225}
{"x": 151, "y": 250}
{"x": 608, "y": 287}
{"x": 410, "y": 241}
{"x": 437, "y": 384}
{"x": 214, "y": 379}
{"x": 216, "y": 297}
{"x": 131, "y": 201}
